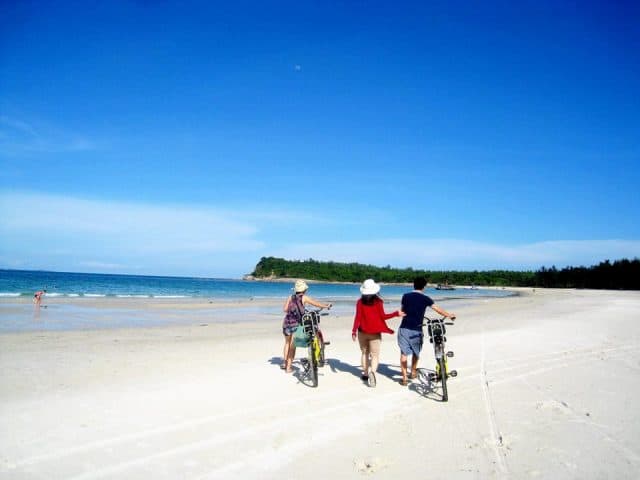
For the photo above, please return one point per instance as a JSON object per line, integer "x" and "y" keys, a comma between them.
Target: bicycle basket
{"x": 436, "y": 332}
{"x": 436, "y": 328}
{"x": 301, "y": 337}
{"x": 310, "y": 321}
{"x": 306, "y": 330}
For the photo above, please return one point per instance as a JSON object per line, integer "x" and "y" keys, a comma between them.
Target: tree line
{"x": 621, "y": 274}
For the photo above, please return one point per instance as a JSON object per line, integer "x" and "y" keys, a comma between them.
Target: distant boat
{"x": 445, "y": 286}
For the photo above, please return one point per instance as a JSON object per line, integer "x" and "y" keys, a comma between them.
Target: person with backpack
{"x": 294, "y": 309}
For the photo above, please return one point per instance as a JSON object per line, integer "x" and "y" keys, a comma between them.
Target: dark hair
{"x": 419, "y": 283}
{"x": 369, "y": 299}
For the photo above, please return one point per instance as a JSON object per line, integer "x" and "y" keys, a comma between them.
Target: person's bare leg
{"x": 403, "y": 368}
{"x": 414, "y": 366}
{"x": 285, "y": 351}
{"x": 291, "y": 353}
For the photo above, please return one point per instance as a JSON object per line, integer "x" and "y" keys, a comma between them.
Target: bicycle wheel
{"x": 313, "y": 362}
{"x": 443, "y": 377}
{"x": 321, "y": 360}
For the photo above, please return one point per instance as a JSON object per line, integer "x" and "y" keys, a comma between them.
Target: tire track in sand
{"x": 496, "y": 436}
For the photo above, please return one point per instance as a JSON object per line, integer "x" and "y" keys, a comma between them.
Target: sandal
{"x": 404, "y": 382}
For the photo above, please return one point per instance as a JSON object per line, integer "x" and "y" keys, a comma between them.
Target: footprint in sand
{"x": 368, "y": 465}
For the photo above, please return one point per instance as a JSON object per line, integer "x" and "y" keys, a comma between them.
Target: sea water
{"x": 23, "y": 283}
{"x": 18, "y": 314}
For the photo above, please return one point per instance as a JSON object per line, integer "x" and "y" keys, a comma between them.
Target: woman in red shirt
{"x": 368, "y": 325}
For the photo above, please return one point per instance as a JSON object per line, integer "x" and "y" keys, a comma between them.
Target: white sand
{"x": 547, "y": 388}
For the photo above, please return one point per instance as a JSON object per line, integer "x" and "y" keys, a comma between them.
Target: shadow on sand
{"x": 300, "y": 368}
{"x": 279, "y": 361}
{"x": 424, "y": 385}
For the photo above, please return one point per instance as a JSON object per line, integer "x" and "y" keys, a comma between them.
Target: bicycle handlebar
{"x": 317, "y": 310}
{"x": 429, "y": 321}
{"x": 435, "y": 320}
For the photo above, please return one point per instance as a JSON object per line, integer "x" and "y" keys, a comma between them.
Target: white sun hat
{"x": 300, "y": 286}
{"x": 369, "y": 287}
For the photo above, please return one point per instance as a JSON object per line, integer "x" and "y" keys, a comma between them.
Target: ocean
{"x": 64, "y": 309}
{"x": 23, "y": 283}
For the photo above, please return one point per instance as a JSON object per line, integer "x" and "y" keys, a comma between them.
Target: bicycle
{"x": 315, "y": 343}
{"x": 437, "y": 330}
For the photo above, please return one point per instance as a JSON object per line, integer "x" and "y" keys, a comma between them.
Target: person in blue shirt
{"x": 410, "y": 335}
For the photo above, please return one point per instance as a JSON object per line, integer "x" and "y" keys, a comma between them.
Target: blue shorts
{"x": 289, "y": 330}
{"x": 410, "y": 341}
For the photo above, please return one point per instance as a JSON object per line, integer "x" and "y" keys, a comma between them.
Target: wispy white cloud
{"x": 102, "y": 266}
{"x": 120, "y": 225}
{"x": 66, "y": 233}
{"x": 61, "y": 232}
{"x": 20, "y": 137}
{"x": 8, "y": 125}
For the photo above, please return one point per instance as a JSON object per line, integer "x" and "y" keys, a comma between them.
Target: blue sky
{"x": 192, "y": 138}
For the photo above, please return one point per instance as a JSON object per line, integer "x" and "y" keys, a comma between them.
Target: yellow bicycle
{"x": 436, "y": 329}
{"x": 315, "y": 343}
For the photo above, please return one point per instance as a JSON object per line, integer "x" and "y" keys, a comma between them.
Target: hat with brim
{"x": 300, "y": 286}
{"x": 369, "y": 287}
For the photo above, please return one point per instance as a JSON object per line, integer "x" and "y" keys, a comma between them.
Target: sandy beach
{"x": 546, "y": 388}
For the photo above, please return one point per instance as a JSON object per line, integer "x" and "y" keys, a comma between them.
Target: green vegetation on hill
{"x": 356, "y": 272}
{"x": 621, "y": 274}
